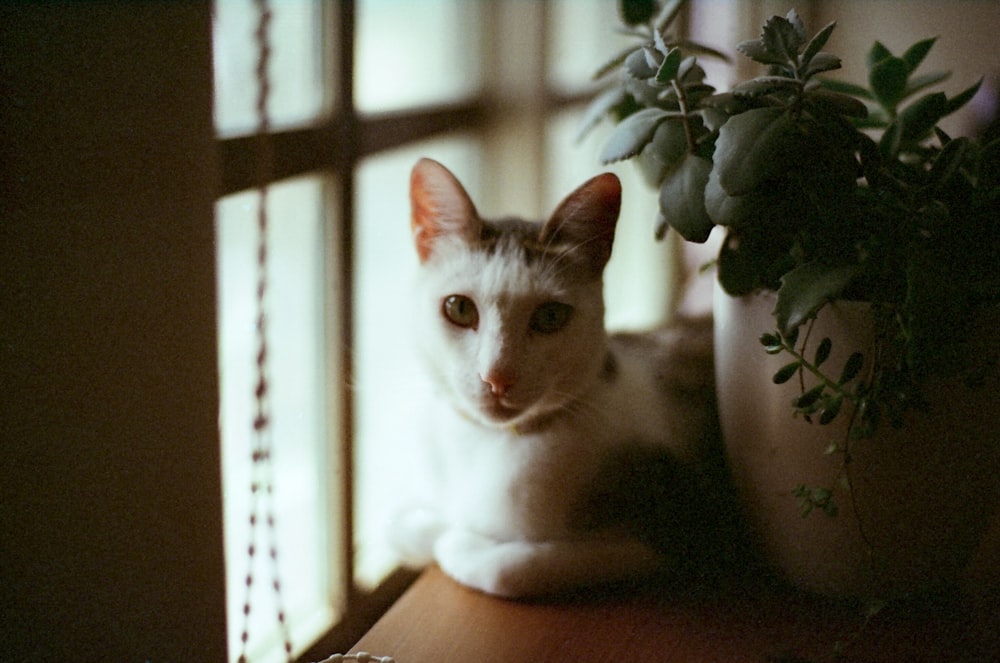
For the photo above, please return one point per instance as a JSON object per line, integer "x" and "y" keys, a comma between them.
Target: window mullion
{"x": 340, "y": 144}
{"x": 387, "y": 130}
{"x": 344, "y": 248}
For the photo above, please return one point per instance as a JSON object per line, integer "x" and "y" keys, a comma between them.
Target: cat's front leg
{"x": 413, "y": 533}
{"x": 516, "y": 569}
{"x": 483, "y": 563}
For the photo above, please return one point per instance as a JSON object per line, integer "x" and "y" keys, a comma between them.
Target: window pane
{"x": 384, "y": 354}
{"x": 583, "y": 36}
{"x": 415, "y": 53}
{"x": 299, "y": 404}
{"x": 638, "y": 281}
{"x": 721, "y": 25}
{"x": 296, "y": 68}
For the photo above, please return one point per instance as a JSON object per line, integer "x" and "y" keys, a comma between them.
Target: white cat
{"x": 552, "y": 456}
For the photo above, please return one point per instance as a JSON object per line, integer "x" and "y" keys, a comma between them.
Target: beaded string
{"x": 262, "y": 480}
{"x": 262, "y": 470}
{"x": 360, "y": 657}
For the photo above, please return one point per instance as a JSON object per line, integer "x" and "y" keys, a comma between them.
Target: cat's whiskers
{"x": 577, "y": 405}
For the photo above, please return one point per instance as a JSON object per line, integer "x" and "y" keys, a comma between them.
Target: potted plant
{"x": 858, "y": 273}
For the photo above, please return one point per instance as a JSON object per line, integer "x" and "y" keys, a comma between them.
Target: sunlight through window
{"x": 303, "y": 465}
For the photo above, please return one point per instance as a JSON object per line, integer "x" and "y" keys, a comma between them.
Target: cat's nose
{"x": 500, "y": 383}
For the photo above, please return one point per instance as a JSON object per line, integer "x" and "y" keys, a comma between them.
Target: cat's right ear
{"x": 439, "y": 206}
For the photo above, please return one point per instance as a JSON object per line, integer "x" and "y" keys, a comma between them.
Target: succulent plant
{"x": 824, "y": 190}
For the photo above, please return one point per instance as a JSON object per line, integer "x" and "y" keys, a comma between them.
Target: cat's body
{"x": 548, "y": 448}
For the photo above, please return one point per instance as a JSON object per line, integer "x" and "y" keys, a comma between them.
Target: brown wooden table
{"x": 753, "y": 619}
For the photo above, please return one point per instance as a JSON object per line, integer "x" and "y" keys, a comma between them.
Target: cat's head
{"x": 509, "y": 313}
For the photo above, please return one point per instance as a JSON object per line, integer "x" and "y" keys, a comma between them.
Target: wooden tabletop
{"x": 753, "y": 619}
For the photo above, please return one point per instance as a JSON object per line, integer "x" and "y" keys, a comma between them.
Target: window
{"x": 299, "y": 399}
{"x": 358, "y": 93}
{"x": 301, "y": 314}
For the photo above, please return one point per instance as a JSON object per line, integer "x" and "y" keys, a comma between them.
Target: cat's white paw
{"x": 494, "y": 567}
{"x": 413, "y": 533}
{"x": 518, "y": 569}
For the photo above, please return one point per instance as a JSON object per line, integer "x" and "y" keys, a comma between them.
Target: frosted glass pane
{"x": 384, "y": 353}
{"x": 638, "y": 281}
{"x": 299, "y": 404}
{"x": 416, "y": 52}
{"x": 583, "y": 36}
{"x": 296, "y": 69}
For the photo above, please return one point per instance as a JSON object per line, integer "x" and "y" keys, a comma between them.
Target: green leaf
{"x": 632, "y": 134}
{"x": 660, "y": 43}
{"x": 805, "y": 289}
{"x": 988, "y": 172}
{"x": 770, "y": 340}
{"x": 841, "y": 104}
{"x": 798, "y": 27}
{"x": 671, "y": 10}
{"x": 843, "y": 87}
{"x": 820, "y": 495}
{"x": 722, "y": 208}
{"x": 786, "y": 372}
{"x": 813, "y": 498}
{"x": 791, "y": 337}
{"x": 690, "y": 71}
{"x": 817, "y": 42}
{"x": 810, "y": 397}
{"x": 915, "y": 54}
{"x": 949, "y": 160}
{"x": 637, "y": 65}
{"x": 757, "y": 87}
{"x": 772, "y": 343}
{"x": 682, "y": 199}
{"x": 822, "y": 62}
{"x": 963, "y": 97}
{"x": 758, "y": 51}
{"x": 917, "y": 83}
{"x": 653, "y": 57}
{"x": 822, "y": 352}
{"x": 664, "y": 152}
{"x": 876, "y": 54}
{"x": 919, "y": 118}
{"x": 830, "y": 508}
{"x": 891, "y": 140}
{"x": 887, "y": 79}
{"x": 754, "y": 147}
{"x": 750, "y": 258}
{"x": 805, "y": 504}
{"x": 668, "y": 69}
{"x": 784, "y": 36}
{"x": 637, "y": 12}
{"x": 830, "y": 411}
{"x": 851, "y": 368}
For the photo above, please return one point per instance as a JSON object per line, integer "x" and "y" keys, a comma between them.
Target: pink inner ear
{"x": 588, "y": 217}
{"x": 439, "y": 205}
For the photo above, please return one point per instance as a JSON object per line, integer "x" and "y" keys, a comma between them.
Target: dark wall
{"x": 110, "y": 498}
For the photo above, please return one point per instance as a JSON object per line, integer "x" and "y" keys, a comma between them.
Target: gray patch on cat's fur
{"x": 609, "y": 371}
{"x": 516, "y": 236}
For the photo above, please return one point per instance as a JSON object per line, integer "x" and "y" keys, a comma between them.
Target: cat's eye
{"x": 461, "y": 311}
{"x": 550, "y": 317}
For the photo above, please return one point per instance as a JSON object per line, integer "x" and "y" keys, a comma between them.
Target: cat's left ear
{"x": 586, "y": 218}
{"x": 439, "y": 206}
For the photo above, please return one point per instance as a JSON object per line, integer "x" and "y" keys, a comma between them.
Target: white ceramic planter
{"x": 923, "y": 496}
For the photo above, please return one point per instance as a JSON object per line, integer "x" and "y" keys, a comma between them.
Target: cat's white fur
{"x": 502, "y": 470}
